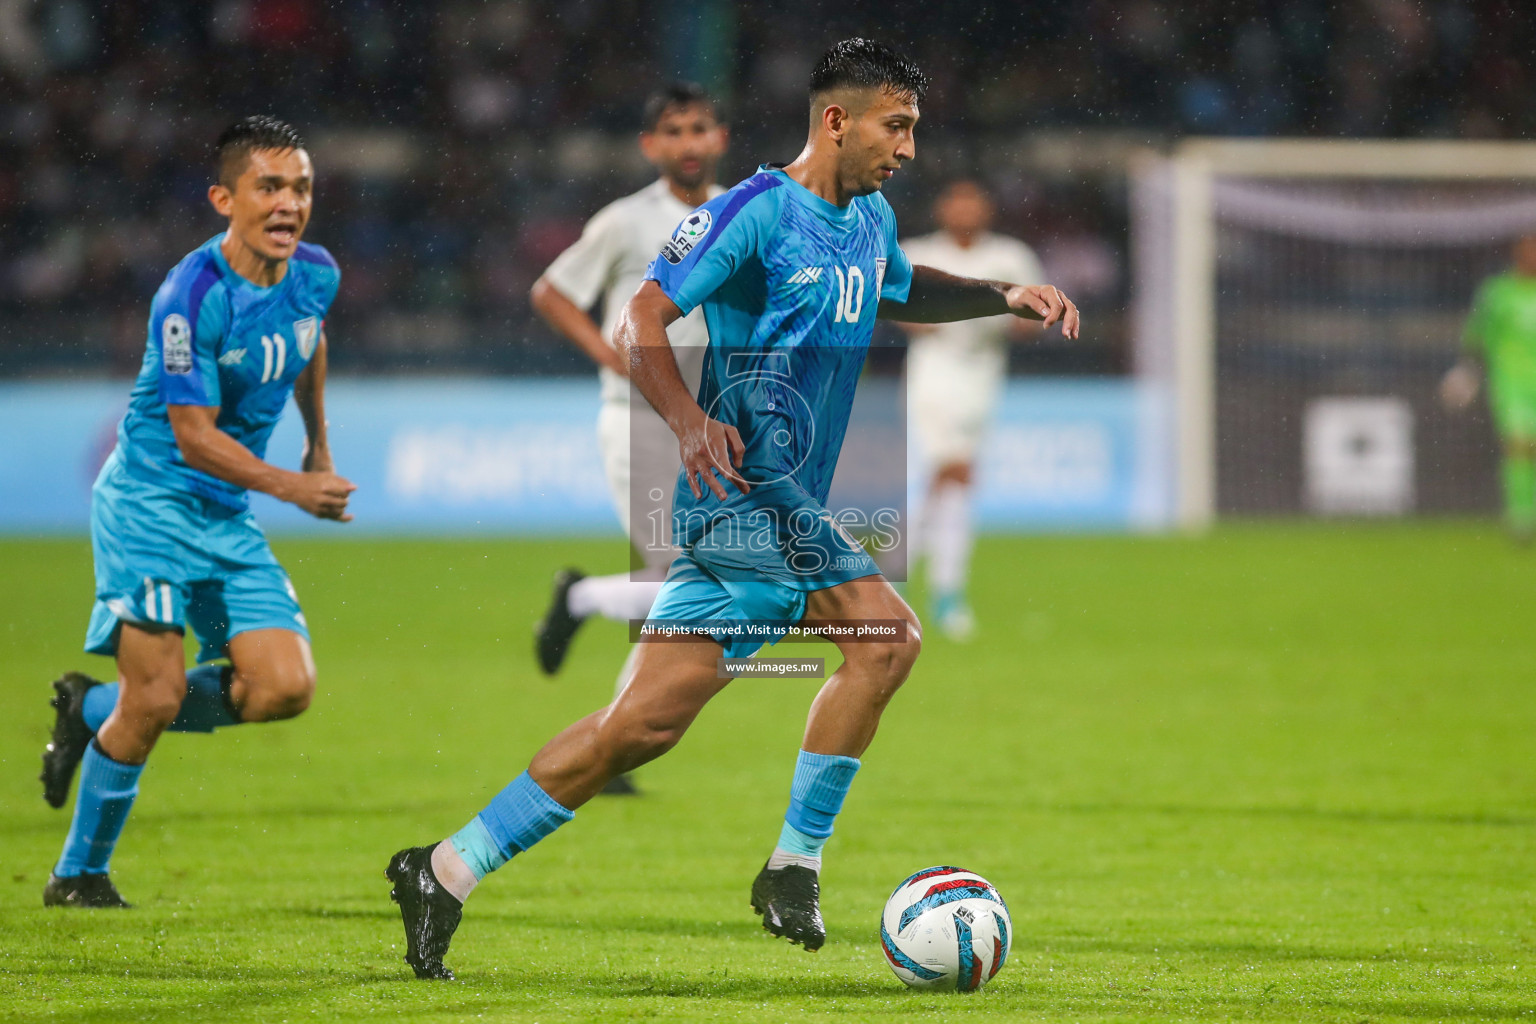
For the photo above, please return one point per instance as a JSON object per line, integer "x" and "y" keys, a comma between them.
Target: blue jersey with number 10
{"x": 216, "y": 339}
{"x": 791, "y": 285}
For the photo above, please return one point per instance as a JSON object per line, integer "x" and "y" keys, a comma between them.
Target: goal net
{"x": 1297, "y": 303}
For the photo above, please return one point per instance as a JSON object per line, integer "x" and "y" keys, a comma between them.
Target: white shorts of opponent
{"x": 952, "y": 392}
{"x": 640, "y": 461}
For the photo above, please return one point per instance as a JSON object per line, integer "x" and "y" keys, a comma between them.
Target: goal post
{"x": 1294, "y": 303}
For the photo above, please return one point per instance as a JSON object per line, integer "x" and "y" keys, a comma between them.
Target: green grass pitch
{"x": 1280, "y": 773}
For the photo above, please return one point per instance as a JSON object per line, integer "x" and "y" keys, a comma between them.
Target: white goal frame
{"x": 1173, "y": 236}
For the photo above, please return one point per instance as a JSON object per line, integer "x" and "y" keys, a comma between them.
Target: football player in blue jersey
{"x": 238, "y": 325}
{"x": 791, "y": 266}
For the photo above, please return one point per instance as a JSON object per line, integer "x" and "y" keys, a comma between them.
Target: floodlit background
{"x": 461, "y": 146}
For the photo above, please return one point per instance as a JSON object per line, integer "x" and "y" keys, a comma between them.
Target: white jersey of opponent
{"x": 640, "y": 456}
{"x": 609, "y": 260}
{"x": 955, "y": 370}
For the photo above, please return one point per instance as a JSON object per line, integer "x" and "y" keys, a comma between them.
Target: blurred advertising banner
{"x": 459, "y": 455}
{"x": 1076, "y": 454}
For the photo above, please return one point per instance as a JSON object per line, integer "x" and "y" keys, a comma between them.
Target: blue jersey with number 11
{"x": 791, "y": 285}
{"x": 216, "y": 339}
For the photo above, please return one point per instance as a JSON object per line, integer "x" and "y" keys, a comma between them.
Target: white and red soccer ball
{"x": 945, "y": 927}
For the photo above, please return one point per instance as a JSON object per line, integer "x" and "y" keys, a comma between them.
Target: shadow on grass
{"x": 678, "y": 927}
{"x": 744, "y": 926}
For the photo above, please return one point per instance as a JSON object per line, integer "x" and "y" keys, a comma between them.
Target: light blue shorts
{"x": 723, "y": 609}
{"x": 169, "y": 560}
{"x": 744, "y": 581}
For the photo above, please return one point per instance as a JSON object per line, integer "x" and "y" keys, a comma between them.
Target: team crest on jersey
{"x": 879, "y": 275}
{"x": 306, "y": 333}
{"x": 688, "y": 234}
{"x": 176, "y": 344}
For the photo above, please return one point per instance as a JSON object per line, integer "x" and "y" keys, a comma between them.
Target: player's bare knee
{"x": 150, "y": 709}
{"x": 896, "y": 659}
{"x": 954, "y": 473}
{"x": 889, "y": 664}
{"x": 294, "y": 694}
{"x": 280, "y": 693}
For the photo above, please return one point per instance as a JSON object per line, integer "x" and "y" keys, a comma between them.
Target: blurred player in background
{"x": 792, "y": 267}
{"x": 1500, "y": 343}
{"x": 684, "y": 139}
{"x": 235, "y": 329}
{"x": 954, "y": 374}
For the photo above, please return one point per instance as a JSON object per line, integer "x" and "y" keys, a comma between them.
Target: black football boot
{"x": 790, "y": 901}
{"x": 70, "y": 736}
{"x": 552, "y": 636}
{"x": 91, "y": 891}
{"x": 431, "y": 913}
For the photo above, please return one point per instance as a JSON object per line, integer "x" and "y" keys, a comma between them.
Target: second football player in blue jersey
{"x": 791, "y": 267}
{"x": 235, "y": 329}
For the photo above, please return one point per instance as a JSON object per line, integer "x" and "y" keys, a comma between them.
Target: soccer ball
{"x": 945, "y": 928}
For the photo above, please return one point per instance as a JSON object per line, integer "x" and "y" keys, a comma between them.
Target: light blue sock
{"x": 815, "y": 797}
{"x": 107, "y": 790}
{"x": 518, "y": 817}
{"x": 98, "y": 704}
{"x": 203, "y": 709}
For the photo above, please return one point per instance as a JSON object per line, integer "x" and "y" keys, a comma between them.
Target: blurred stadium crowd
{"x": 461, "y": 145}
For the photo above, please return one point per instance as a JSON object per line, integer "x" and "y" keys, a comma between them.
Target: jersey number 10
{"x": 273, "y": 345}
{"x": 850, "y": 295}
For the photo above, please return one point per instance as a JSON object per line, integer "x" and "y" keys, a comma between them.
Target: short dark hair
{"x": 236, "y": 143}
{"x": 867, "y": 64}
{"x": 678, "y": 94}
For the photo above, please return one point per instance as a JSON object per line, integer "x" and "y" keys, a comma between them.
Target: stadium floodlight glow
{"x": 1334, "y": 267}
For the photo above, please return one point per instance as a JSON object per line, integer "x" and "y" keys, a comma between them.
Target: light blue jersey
{"x": 175, "y": 546}
{"x": 791, "y": 286}
{"x": 216, "y": 339}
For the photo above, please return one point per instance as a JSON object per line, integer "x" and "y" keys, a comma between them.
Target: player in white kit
{"x": 955, "y": 372}
{"x": 684, "y": 139}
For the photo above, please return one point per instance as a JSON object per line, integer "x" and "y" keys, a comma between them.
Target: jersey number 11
{"x": 273, "y": 344}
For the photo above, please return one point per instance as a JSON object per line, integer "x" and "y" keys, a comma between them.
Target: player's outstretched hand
{"x": 710, "y": 447}
{"x": 1045, "y": 303}
{"x": 323, "y": 495}
{"x": 1458, "y": 387}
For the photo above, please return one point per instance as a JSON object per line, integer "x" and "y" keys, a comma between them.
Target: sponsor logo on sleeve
{"x": 688, "y": 234}
{"x": 879, "y": 275}
{"x": 176, "y": 344}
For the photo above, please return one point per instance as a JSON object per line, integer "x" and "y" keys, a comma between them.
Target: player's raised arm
{"x": 707, "y": 446}
{"x": 937, "y": 297}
